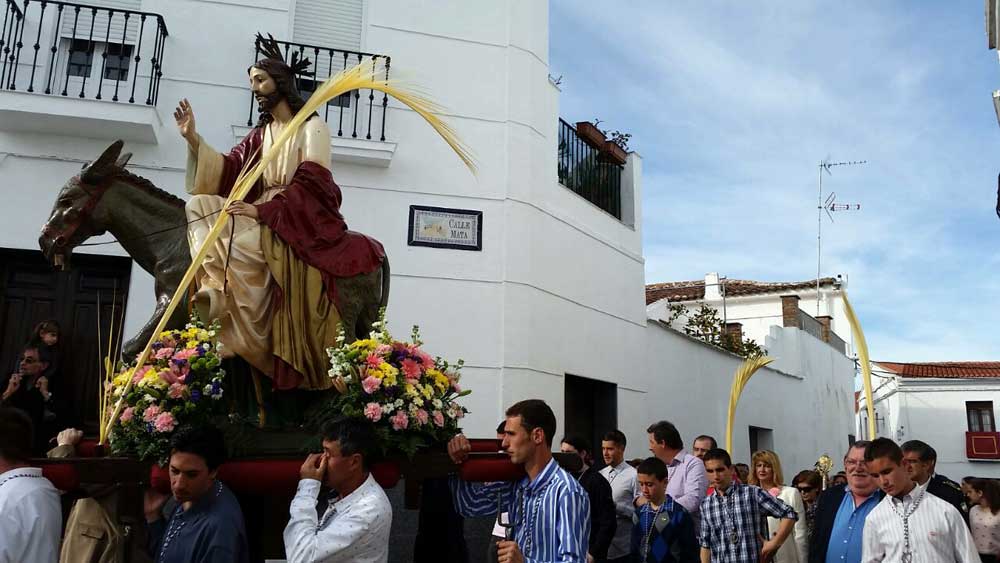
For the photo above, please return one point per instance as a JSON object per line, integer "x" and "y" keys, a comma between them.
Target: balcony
{"x": 80, "y": 70}
{"x": 357, "y": 120}
{"x": 982, "y": 445}
{"x": 584, "y": 170}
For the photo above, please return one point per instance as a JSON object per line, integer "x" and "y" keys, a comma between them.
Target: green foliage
{"x": 706, "y": 325}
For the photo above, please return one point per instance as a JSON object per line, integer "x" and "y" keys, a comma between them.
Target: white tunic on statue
{"x": 30, "y": 517}
{"x": 353, "y": 529}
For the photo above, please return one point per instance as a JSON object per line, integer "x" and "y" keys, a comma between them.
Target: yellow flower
{"x": 366, "y": 344}
{"x": 191, "y": 344}
{"x": 411, "y": 390}
{"x": 428, "y": 392}
{"x": 389, "y": 380}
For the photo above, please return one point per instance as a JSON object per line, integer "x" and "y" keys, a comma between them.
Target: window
{"x": 980, "y": 414}
{"x": 116, "y": 66}
{"x": 81, "y": 57}
{"x": 307, "y": 86}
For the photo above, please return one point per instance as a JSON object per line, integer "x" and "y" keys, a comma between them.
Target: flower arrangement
{"x": 409, "y": 395}
{"x": 180, "y": 383}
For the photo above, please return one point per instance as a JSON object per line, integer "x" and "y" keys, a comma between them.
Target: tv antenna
{"x": 830, "y": 206}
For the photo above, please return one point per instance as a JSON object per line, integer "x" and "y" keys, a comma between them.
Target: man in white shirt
{"x": 622, "y": 477}
{"x": 910, "y": 525}
{"x": 355, "y": 526}
{"x": 30, "y": 515}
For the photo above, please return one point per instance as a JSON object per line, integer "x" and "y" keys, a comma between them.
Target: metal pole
{"x": 819, "y": 234}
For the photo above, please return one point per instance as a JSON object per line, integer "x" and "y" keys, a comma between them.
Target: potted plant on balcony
{"x": 591, "y": 134}
{"x": 615, "y": 149}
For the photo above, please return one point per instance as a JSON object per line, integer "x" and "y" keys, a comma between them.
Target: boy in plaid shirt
{"x": 732, "y": 529}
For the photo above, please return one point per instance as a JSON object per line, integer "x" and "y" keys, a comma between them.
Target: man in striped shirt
{"x": 910, "y": 525}
{"x": 548, "y": 509}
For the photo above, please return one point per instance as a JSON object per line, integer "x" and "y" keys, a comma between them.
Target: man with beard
{"x": 270, "y": 279}
{"x": 841, "y": 512}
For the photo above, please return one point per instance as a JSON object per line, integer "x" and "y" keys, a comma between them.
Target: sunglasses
{"x": 806, "y": 489}
{"x": 29, "y": 360}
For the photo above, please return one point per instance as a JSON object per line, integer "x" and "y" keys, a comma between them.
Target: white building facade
{"x": 948, "y": 405}
{"x": 549, "y": 307}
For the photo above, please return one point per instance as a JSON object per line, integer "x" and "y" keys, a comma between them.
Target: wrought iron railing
{"x": 581, "y": 170}
{"x": 74, "y": 34}
{"x": 351, "y": 115}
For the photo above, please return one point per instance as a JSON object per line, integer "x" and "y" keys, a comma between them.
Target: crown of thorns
{"x": 269, "y": 47}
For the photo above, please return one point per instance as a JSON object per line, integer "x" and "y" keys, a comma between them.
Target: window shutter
{"x": 328, "y": 23}
{"x": 100, "y": 21}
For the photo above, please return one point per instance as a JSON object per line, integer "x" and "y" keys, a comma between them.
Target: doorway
{"x": 32, "y": 291}
{"x": 591, "y": 410}
{"x": 761, "y": 439}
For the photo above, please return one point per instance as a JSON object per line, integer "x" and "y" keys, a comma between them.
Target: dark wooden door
{"x": 32, "y": 291}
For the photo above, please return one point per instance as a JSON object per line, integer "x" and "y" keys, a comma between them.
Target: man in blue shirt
{"x": 841, "y": 512}
{"x": 207, "y": 524}
{"x": 548, "y": 509}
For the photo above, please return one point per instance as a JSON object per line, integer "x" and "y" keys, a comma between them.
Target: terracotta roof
{"x": 695, "y": 290}
{"x": 949, "y": 370}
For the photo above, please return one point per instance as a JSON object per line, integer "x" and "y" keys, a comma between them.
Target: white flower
{"x": 437, "y": 404}
{"x": 149, "y": 398}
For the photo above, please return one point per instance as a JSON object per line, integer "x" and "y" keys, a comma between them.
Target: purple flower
{"x": 195, "y": 395}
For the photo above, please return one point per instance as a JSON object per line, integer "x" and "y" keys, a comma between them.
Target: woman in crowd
{"x": 984, "y": 496}
{"x": 809, "y": 483}
{"x": 765, "y": 472}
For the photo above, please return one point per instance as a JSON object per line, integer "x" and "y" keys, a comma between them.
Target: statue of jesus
{"x": 271, "y": 277}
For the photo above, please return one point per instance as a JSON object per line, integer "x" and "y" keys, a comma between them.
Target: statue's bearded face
{"x": 264, "y": 89}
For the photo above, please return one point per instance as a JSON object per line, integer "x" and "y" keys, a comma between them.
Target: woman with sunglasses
{"x": 809, "y": 484}
{"x": 984, "y": 497}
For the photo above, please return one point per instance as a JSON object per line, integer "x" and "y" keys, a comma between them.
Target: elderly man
{"x": 30, "y": 515}
{"x": 841, "y": 512}
{"x": 355, "y": 526}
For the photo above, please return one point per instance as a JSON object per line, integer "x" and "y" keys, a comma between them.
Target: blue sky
{"x": 732, "y": 105}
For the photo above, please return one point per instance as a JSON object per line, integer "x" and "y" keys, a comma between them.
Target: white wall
{"x": 933, "y": 410}
{"x": 805, "y": 396}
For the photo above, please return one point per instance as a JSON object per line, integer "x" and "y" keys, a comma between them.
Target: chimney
{"x": 734, "y": 331}
{"x": 712, "y": 290}
{"x": 790, "y": 311}
{"x": 825, "y": 320}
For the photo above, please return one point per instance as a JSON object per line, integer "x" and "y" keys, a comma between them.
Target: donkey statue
{"x": 150, "y": 225}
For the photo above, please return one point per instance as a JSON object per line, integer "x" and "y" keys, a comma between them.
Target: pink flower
{"x": 140, "y": 373}
{"x": 179, "y": 372}
{"x": 127, "y": 414}
{"x": 400, "y": 421}
{"x": 164, "y": 353}
{"x": 168, "y": 376}
{"x": 438, "y": 418}
{"x": 456, "y": 386}
{"x": 176, "y": 390}
{"x": 185, "y": 353}
{"x": 382, "y": 349}
{"x": 370, "y": 384}
{"x": 421, "y": 416}
{"x": 410, "y": 369}
{"x": 150, "y": 413}
{"x": 164, "y": 422}
{"x": 373, "y": 360}
{"x": 425, "y": 358}
{"x": 373, "y": 411}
